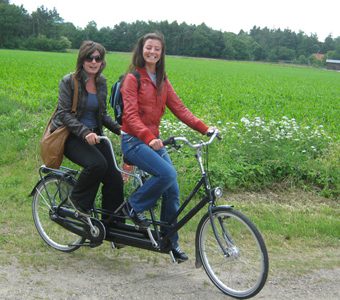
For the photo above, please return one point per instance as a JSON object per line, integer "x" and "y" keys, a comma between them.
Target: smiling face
{"x": 92, "y": 66}
{"x": 152, "y": 51}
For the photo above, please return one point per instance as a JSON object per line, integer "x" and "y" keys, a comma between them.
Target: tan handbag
{"x": 52, "y": 143}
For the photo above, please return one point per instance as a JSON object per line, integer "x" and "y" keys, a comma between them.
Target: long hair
{"x": 138, "y": 59}
{"x": 86, "y": 49}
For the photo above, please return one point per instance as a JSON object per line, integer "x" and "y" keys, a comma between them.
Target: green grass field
{"x": 280, "y": 134}
{"x": 216, "y": 90}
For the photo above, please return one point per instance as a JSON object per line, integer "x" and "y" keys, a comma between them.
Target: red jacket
{"x": 144, "y": 108}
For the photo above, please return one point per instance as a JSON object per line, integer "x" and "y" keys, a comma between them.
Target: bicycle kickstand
{"x": 173, "y": 260}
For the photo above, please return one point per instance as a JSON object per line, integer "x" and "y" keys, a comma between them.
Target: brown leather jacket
{"x": 64, "y": 116}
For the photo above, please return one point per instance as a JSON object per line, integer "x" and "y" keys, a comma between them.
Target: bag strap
{"x": 75, "y": 95}
{"x": 137, "y": 75}
{"x": 74, "y": 100}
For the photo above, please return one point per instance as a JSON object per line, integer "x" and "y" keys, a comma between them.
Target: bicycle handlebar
{"x": 172, "y": 140}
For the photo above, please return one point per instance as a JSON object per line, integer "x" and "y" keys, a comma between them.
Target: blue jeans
{"x": 163, "y": 182}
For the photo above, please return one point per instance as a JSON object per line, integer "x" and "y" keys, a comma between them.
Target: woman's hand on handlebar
{"x": 92, "y": 138}
{"x": 211, "y": 130}
{"x": 156, "y": 144}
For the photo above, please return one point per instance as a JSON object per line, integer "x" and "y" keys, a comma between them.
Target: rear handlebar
{"x": 170, "y": 141}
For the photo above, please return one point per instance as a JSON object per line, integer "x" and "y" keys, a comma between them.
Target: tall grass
{"x": 216, "y": 90}
{"x": 280, "y": 123}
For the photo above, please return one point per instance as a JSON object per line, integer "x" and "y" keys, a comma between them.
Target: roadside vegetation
{"x": 278, "y": 161}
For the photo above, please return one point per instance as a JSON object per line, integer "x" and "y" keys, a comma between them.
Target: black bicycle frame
{"x": 190, "y": 214}
{"x": 128, "y": 234}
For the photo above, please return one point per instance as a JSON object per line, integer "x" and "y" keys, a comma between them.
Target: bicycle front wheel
{"x": 47, "y": 196}
{"x": 232, "y": 252}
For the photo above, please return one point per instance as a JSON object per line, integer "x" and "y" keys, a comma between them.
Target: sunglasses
{"x": 90, "y": 58}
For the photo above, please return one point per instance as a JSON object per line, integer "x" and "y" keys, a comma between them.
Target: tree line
{"x": 45, "y": 30}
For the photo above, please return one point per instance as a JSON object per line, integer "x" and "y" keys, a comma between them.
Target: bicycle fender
{"x": 42, "y": 179}
{"x": 198, "y": 261}
{"x": 36, "y": 185}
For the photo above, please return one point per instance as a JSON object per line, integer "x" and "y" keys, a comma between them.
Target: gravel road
{"x": 141, "y": 280}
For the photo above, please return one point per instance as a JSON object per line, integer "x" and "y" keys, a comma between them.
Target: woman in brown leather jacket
{"x": 82, "y": 146}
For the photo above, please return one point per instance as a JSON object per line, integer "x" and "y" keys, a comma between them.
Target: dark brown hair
{"x": 138, "y": 59}
{"x": 86, "y": 49}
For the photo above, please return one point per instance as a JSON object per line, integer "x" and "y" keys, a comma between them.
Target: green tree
{"x": 42, "y": 43}
{"x": 328, "y": 45}
{"x": 307, "y": 45}
{"x": 244, "y": 46}
{"x": 337, "y": 45}
{"x": 46, "y": 22}
{"x": 281, "y": 54}
{"x": 73, "y": 34}
{"x": 121, "y": 37}
{"x": 14, "y": 25}
{"x": 91, "y": 31}
{"x": 186, "y": 39}
{"x": 335, "y": 54}
{"x": 201, "y": 44}
{"x": 173, "y": 38}
{"x": 229, "y": 40}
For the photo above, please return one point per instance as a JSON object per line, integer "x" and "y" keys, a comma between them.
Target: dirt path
{"x": 103, "y": 273}
{"x": 142, "y": 280}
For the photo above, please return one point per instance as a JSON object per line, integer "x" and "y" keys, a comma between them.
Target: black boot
{"x": 138, "y": 218}
{"x": 81, "y": 211}
{"x": 179, "y": 255}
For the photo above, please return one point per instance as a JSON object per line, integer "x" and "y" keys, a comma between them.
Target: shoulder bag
{"x": 52, "y": 143}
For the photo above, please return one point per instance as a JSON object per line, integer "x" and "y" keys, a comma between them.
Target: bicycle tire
{"x": 48, "y": 194}
{"x": 241, "y": 271}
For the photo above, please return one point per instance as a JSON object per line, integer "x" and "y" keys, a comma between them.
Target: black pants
{"x": 98, "y": 167}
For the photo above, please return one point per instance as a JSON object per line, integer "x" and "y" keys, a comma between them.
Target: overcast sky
{"x": 309, "y": 16}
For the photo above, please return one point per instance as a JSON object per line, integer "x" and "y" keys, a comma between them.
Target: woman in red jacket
{"x": 144, "y": 106}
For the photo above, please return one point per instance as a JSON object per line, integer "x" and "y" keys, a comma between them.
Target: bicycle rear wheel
{"x": 233, "y": 254}
{"x": 48, "y": 194}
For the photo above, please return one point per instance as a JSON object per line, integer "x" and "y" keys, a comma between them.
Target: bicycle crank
{"x": 96, "y": 232}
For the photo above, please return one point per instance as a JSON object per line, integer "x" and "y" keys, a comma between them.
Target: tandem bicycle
{"x": 227, "y": 244}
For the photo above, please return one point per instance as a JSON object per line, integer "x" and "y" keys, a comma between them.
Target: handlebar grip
{"x": 169, "y": 141}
